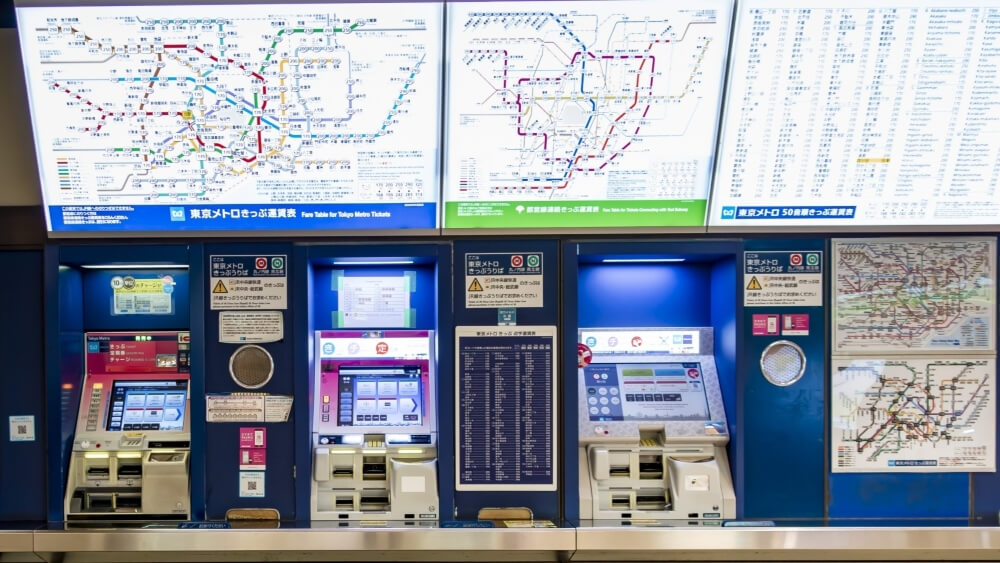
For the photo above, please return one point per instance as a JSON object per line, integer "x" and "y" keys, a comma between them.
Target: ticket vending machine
{"x": 130, "y": 453}
{"x": 652, "y": 427}
{"x": 374, "y": 426}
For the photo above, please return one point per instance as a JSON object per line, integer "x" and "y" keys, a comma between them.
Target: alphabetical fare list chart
{"x": 862, "y": 113}
{"x": 506, "y": 411}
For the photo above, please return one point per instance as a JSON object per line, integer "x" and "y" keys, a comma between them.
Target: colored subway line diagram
{"x": 605, "y": 101}
{"x": 261, "y": 106}
{"x": 912, "y": 413}
{"x": 914, "y": 295}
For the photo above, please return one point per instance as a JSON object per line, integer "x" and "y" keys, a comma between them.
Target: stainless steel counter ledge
{"x": 312, "y": 543}
{"x": 787, "y": 543}
{"x": 17, "y": 545}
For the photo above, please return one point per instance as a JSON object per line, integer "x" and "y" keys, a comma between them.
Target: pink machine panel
{"x": 135, "y": 382}
{"x": 373, "y": 381}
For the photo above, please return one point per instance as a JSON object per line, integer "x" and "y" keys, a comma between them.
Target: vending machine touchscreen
{"x": 374, "y": 426}
{"x": 132, "y": 440}
{"x": 652, "y": 426}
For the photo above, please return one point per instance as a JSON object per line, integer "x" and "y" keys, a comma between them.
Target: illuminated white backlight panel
{"x": 236, "y": 117}
{"x": 857, "y": 113}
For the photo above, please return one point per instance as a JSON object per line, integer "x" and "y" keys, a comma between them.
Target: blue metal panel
{"x": 446, "y": 373}
{"x": 901, "y": 495}
{"x": 570, "y": 434}
{"x": 222, "y": 438}
{"x": 543, "y": 504}
{"x": 725, "y": 313}
{"x": 783, "y": 427}
{"x": 196, "y": 390}
{"x": 63, "y": 369}
{"x": 301, "y": 270}
{"x": 22, "y": 464}
{"x": 629, "y": 295}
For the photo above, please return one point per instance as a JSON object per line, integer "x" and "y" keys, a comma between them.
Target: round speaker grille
{"x": 783, "y": 363}
{"x": 251, "y": 366}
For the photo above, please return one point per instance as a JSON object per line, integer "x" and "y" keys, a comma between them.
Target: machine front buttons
{"x": 605, "y": 410}
{"x": 603, "y": 390}
{"x": 594, "y": 410}
{"x": 604, "y": 400}
{"x": 592, "y": 400}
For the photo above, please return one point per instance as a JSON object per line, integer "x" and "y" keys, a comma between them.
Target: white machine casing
{"x": 373, "y": 472}
{"x": 651, "y": 468}
{"x": 136, "y": 473}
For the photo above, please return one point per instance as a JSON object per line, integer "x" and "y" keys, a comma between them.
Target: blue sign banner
{"x": 789, "y": 212}
{"x": 265, "y": 216}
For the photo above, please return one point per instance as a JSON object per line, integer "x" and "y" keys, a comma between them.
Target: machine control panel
{"x": 655, "y": 391}
{"x": 130, "y": 449}
{"x": 652, "y": 426}
{"x": 374, "y": 426}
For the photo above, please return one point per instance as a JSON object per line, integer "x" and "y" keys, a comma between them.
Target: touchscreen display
{"x": 671, "y": 391}
{"x": 380, "y": 396}
{"x": 147, "y": 405}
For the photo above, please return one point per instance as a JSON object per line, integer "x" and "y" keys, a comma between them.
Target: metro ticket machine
{"x": 652, "y": 426}
{"x": 133, "y": 438}
{"x": 374, "y": 426}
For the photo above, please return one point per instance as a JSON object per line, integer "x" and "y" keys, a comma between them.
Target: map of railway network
{"x": 905, "y": 295}
{"x": 215, "y": 117}
{"x": 582, "y": 113}
{"x": 913, "y": 415}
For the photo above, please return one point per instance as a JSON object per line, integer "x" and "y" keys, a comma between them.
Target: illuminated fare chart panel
{"x": 319, "y": 116}
{"x": 506, "y": 411}
{"x": 582, "y": 114}
{"x": 859, "y": 113}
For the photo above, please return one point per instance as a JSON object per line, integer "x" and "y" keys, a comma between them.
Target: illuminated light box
{"x": 582, "y": 114}
{"x": 282, "y": 117}
{"x": 861, "y": 114}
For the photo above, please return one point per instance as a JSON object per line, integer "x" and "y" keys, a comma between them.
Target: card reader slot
{"x": 344, "y": 503}
{"x": 99, "y": 502}
{"x": 99, "y": 472}
{"x": 650, "y": 466}
{"x": 621, "y": 501}
{"x": 374, "y": 503}
{"x": 129, "y": 470}
{"x": 343, "y": 473}
{"x": 620, "y": 471}
{"x": 125, "y": 502}
{"x": 649, "y": 500}
{"x": 373, "y": 468}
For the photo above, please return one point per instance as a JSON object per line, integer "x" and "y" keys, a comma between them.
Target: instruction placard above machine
{"x": 503, "y": 279}
{"x": 248, "y": 282}
{"x": 783, "y": 278}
